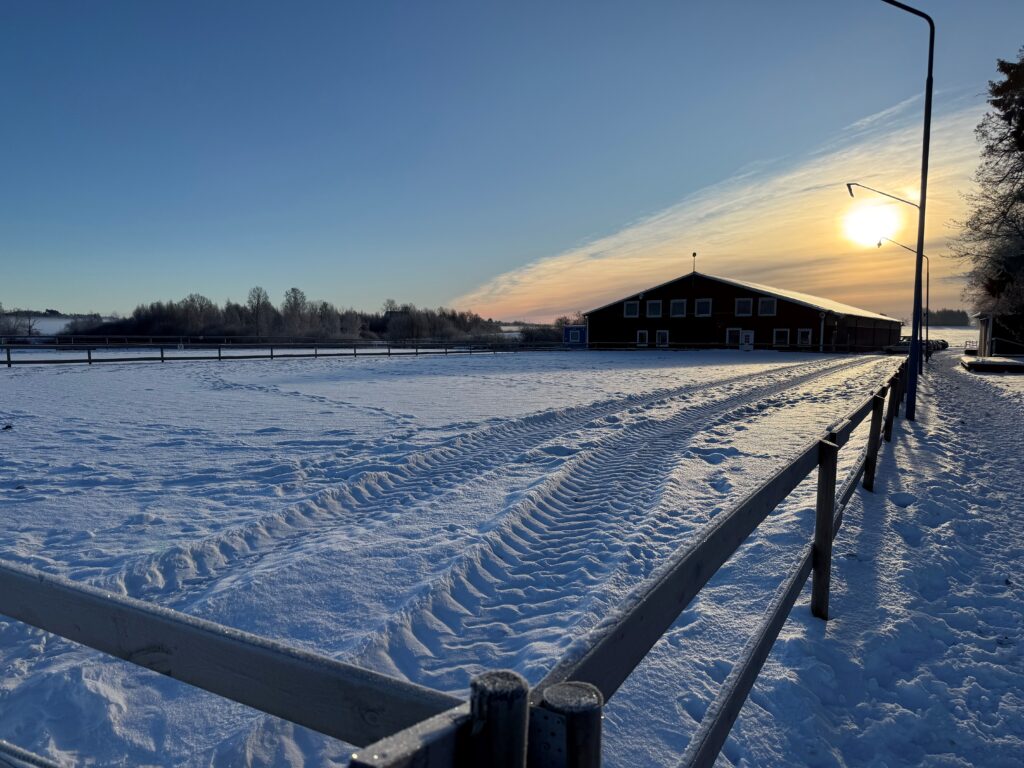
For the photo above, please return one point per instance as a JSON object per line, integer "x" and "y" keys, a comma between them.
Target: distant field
{"x": 955, "y": 335}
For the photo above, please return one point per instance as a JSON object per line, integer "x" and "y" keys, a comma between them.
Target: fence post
{"x": 316, "y": 352}
{"x": 828, "y": 454}
{"x": 871, "y": 461}
{"x": 389, "y": 349}
{"x": 890, "y": 411}
{"x": 416, "y": 347}
{"x": 88, "y": 353}
{"x": 500, "y": 715}
{"x": 8, "y": 357}
{"x": 271, "y": 353}
{"x": 161, "y": 354}
{"x": 579, "y": 705}
{"x": 903, "y": 388}
{"x": 218, "y": 352}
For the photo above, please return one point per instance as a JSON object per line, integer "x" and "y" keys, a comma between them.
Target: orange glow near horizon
{"x": 792, "y": 227}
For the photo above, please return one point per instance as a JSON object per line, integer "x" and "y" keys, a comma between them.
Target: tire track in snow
{"x": 516, "y": 598}
{"x": 374, "y": 490}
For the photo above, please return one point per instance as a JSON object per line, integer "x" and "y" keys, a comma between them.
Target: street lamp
{"x": 851, "y": 184}
{"x": 927, "y": 288}
{"x": 915, "y": 343}
{"x": 916, "y": 350}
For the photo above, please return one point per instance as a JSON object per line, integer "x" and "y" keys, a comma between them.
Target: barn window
{"x": 702, "y": 308}
{"x": 574, "y": 336}
{"x": 803, "y": 337}
{"x": 654, "y": 308}
{"x": 641, "y": 338}
{"x": 781, "y": 337}
{"x": 766, "y": 307}
{"x": 631, "y": 309}
{"x": 744, "y": 307}
{"x": 732, "y": 337}
{"x": 677, "y": 308}
{"x": 661, "y": 338}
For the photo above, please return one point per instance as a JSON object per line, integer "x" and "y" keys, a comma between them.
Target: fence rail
{"x": 556, "y": 724}
{"x": 337, "y": 699}
{"x": 147, "y": 351}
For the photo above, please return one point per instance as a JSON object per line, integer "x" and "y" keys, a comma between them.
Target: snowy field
{"x": 435, "y": 517}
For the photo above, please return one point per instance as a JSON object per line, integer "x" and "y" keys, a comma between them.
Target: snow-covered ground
{"x": 434, "y": 517}
{"x": 1011, "y": 386}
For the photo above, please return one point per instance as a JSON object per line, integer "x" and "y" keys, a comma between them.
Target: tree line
{"x": 23, "y": 322}
{"x": 296, "y": 316}
{"x": 948, "y": 317}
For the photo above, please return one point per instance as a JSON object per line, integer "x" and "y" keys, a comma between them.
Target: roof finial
{"x": 694, "y": 261}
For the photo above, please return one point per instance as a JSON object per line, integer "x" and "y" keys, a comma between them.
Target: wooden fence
{"x": 146, "y": 353}
{"x": 554, "y": 724}
{"x": 138, "y": 349}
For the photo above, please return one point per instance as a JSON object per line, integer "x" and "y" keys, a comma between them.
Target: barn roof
{"x": 817, "y": 302}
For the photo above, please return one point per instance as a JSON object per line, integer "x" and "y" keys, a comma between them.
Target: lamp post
{"x": 927, "y": 288}
{"x": 915, "y": 343}
{"x": 916, "y": 350}
{"x": 851, "y": 184}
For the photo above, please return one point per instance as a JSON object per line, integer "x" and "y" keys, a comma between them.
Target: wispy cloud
{"x": 885, "y": 116}
{"x": 775, "y": 223}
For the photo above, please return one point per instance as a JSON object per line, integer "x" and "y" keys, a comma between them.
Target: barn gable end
{"x": 698, "y": 310}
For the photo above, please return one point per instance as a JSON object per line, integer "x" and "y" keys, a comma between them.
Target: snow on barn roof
{"x": 796, "y": 297}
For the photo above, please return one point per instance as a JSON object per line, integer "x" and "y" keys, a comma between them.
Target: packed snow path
{"x": 428, "y": 518}
{"x": 922, "y": 662}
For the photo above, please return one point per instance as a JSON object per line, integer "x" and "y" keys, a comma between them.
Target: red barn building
{"x": 698, "y": 310}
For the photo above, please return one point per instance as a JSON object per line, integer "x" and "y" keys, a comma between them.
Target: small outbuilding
{"x": 1000, "y": 334}
{"x": 574, "y": 335}
{"x": 698, "y": 310}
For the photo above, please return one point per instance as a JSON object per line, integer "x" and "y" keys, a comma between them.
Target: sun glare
{"x": 868, "y": 223}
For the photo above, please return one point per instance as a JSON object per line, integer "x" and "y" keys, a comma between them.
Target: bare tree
{"x": 258, "y": 305}
{"x": 200, "y": 313}
{"x": 18, "y": 322}
{"x": 293, "y": 308}
{"x": 576, "y": 318}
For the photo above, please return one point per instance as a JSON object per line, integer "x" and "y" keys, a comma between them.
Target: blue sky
{"x": 431, "y": 152}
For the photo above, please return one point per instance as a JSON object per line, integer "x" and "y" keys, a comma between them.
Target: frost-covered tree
{"x": 992, "y": 239}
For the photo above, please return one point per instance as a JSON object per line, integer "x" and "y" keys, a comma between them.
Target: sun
{"x": 870, "y": 222}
